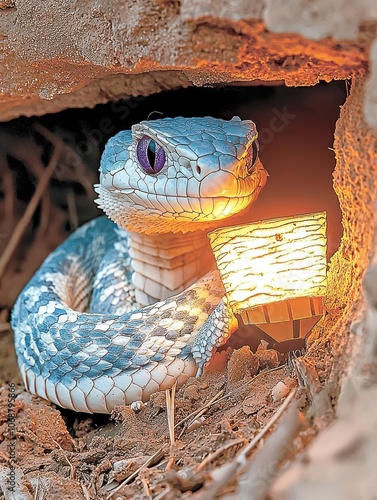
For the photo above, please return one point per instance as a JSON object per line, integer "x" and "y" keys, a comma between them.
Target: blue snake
{"x": 130, "y": 304}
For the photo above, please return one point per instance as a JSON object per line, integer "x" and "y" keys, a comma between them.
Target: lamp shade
{"x": 272, "y": 260}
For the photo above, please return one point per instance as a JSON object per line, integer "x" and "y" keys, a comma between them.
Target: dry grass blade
{"x": 152, "y": 459}
{"x": 163, "y": 494}
{"x": 85, "y": 491}
{"x": 159, "y": 452}
{"x": 170, "y": 403}
{"x": 71, "y": 466}
{"x": 198, "y": 413}
{"x": 32, "y": 206}
{"x": 217, "y": 399}
{"x": 36, "y": 494}
{"x": 218, "y": 452}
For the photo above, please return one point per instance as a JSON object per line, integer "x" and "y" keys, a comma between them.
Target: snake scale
{"x": 128, "y": 304}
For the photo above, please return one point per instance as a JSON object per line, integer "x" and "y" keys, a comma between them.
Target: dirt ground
{"x": 62, "y": 454}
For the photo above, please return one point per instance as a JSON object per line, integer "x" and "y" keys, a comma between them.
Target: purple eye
{"x": 151, "y": 155}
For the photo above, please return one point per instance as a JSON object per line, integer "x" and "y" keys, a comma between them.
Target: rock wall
{"x": 80, "y": 53}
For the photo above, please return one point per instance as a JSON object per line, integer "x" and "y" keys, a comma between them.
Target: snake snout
{"x": 206, "y": 165}
{"x": 218, "y": 184}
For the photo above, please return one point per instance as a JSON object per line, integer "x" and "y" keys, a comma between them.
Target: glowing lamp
{"x": 274, "y": 272}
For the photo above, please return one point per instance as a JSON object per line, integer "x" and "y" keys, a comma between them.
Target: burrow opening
{"x": 296, "y": 134}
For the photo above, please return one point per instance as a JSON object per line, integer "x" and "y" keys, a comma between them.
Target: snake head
{"x": 180, "y": 174}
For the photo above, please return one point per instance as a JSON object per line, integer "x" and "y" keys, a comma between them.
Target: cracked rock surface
{"x": 75, "y": 54}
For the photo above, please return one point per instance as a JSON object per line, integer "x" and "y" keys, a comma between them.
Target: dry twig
{"x": 260, "y": 472}
{"x": 28, "y": 214}
{"x": 147, "y": 490}
{"x": 197, "y": 413}
{"x": 159, "y": 453}
{"x": 72, "y": 209}
{"x": 36, "y": 493}
{"x": 9, "y": 192}
{"x": 80, "y": 170}
{"x": 227, "y": 472}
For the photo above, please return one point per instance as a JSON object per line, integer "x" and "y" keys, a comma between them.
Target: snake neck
{"x": 166, "y": 264}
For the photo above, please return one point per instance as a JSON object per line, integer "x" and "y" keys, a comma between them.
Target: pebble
{"x": 280, "y": 391}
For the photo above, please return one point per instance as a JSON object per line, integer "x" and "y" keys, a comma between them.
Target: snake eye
{"x": 151, "y": 155}
{"x": 253, "y": 156}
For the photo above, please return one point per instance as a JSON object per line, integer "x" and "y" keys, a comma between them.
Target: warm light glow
{"x": 272, "y": 260}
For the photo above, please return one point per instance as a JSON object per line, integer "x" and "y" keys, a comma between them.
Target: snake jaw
{"x": 206, "y": 175}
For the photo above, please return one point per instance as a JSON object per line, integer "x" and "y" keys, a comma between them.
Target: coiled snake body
{"x": 121, "y": 309}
